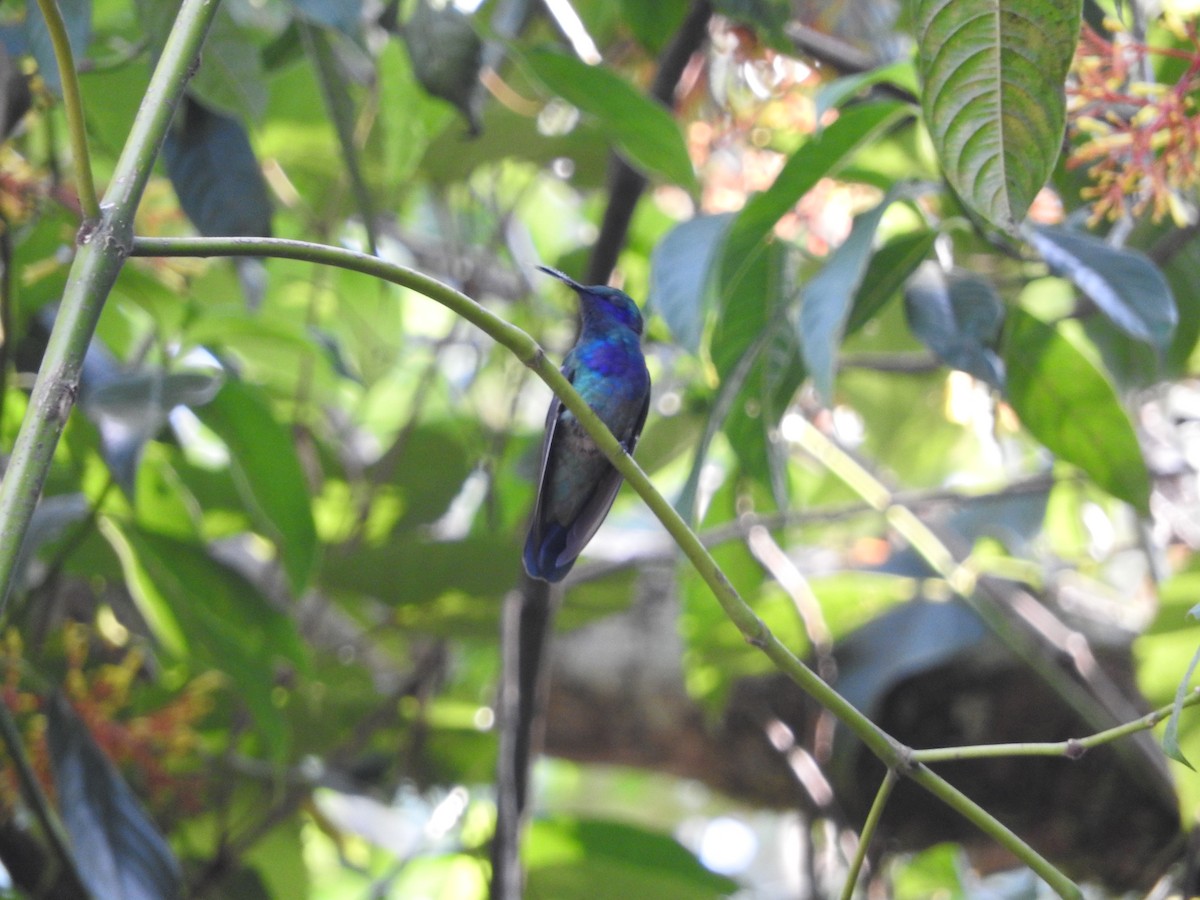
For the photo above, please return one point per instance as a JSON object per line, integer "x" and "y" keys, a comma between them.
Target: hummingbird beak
{"x": 564, "y": 277}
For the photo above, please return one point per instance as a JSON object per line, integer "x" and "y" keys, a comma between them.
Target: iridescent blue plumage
{"x": 576, "y": 483}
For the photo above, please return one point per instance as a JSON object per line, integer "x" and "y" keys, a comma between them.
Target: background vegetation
{"x": 937, "y": 424}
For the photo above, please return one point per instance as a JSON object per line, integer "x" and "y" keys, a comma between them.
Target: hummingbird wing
{"x": 600, "y": 502}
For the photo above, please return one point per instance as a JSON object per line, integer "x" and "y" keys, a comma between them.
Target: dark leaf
{"x": 215, "y": 173}
{"x": 958, "y": 316}
{"x": 119, "y": 852}
{"x": 1125, "y": 284}
{"x": 446, "y": 56}
{"x": 681, "y": 270}
{"x": 15, "y": 97}
{"x": 1068, "y": 404}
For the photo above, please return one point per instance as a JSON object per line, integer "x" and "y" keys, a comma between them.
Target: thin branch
{"x": 868, "y": 831}
{"x": 73, "y": 103}
{"x": 1072, "y": 748}
{"x": 103, "y": 246}
{"x": 756, "y": 632}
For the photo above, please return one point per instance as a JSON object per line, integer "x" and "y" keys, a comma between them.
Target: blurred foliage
{"x": 269, "y": 561}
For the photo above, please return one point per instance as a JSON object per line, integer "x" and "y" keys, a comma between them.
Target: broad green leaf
{"x": 228, "y": 623}
{"x": 643, "y": 129}
{"x": 230, "y": 78}
{"x": 118, "y": 850}
{"x": 570, "y": 857}
{"x": 1125, "y": 284}
{"x": 653, "y": 24}
{"x": 993, "y": 99}
{"x": 822, "y": 156}
{"x": 1069, "y": 405}
{"x": 957, "y": 315}
{"x": 834, "y": 93}
{"x": 826, "y": 300}
{"x": 890, "y": 267}
{"x": 681, "y": 276}
{"x": 269, "y": 476}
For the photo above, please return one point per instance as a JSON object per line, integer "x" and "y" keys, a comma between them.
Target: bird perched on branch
{"x": 576, "y": 483}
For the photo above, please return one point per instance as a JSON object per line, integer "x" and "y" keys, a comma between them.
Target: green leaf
{"x": 890, "y": 267}
{"x": 653, "y": 24}
{"x": 825, "y": 301}
{"x": 570, "y": 857}
{"x": 269, "y": 476}
{"x": 820, "y": 157}
{"x": 222, "y": 620}
{"x": 681, "y": 276}
{"x": 1069, "y": 405}
{"x": 230, "y": 77}
{"x": 993, "y": 97}
{"x": 1125, "y": 284}
{"x": 1170, "y": 739}
{"x": 834, "y": 93}
{"x": 643, "y": 129}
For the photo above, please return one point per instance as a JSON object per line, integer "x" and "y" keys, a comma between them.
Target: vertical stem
{"x": 103, "y": 246}
{"x": 868, "y": 831}
{"x": 67, "y": 76}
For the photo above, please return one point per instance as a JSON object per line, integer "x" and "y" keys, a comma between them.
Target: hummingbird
{"x": 576, "y": 483}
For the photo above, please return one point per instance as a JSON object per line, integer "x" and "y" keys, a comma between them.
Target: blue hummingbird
{"x": 576, "y": 483}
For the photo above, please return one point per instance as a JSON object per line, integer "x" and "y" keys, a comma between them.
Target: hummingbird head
{"x": 604, "y": 303}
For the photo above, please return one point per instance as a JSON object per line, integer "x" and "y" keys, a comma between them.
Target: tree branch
{"x": 755, "y": 631}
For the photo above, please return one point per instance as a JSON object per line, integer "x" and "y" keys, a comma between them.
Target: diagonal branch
{"x": 755, "y": 631}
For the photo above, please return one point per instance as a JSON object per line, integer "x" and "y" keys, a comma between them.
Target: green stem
{"x": 868, "y": 831}
{"x": 525, "y": 348}
{"x": 103, "y": 246}
{"x": 73, "y": 102}
{"x": 1072, "y": 748}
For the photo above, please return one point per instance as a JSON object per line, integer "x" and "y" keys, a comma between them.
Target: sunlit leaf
{"x": 1068, "y": 404}
{"x": 269, "y": 475}
{"x": 118, "y": 850}
{"x": 643, "y": 130}
{"x": 826, "y": 300}
{"x": 681, "y": 276}
{"x": 820, "y": 157}
{"x": 993, "y": 95}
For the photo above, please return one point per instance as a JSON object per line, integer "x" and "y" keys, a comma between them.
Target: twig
{"x": 74, "y": 107}
{"x": 868, "y": 831}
